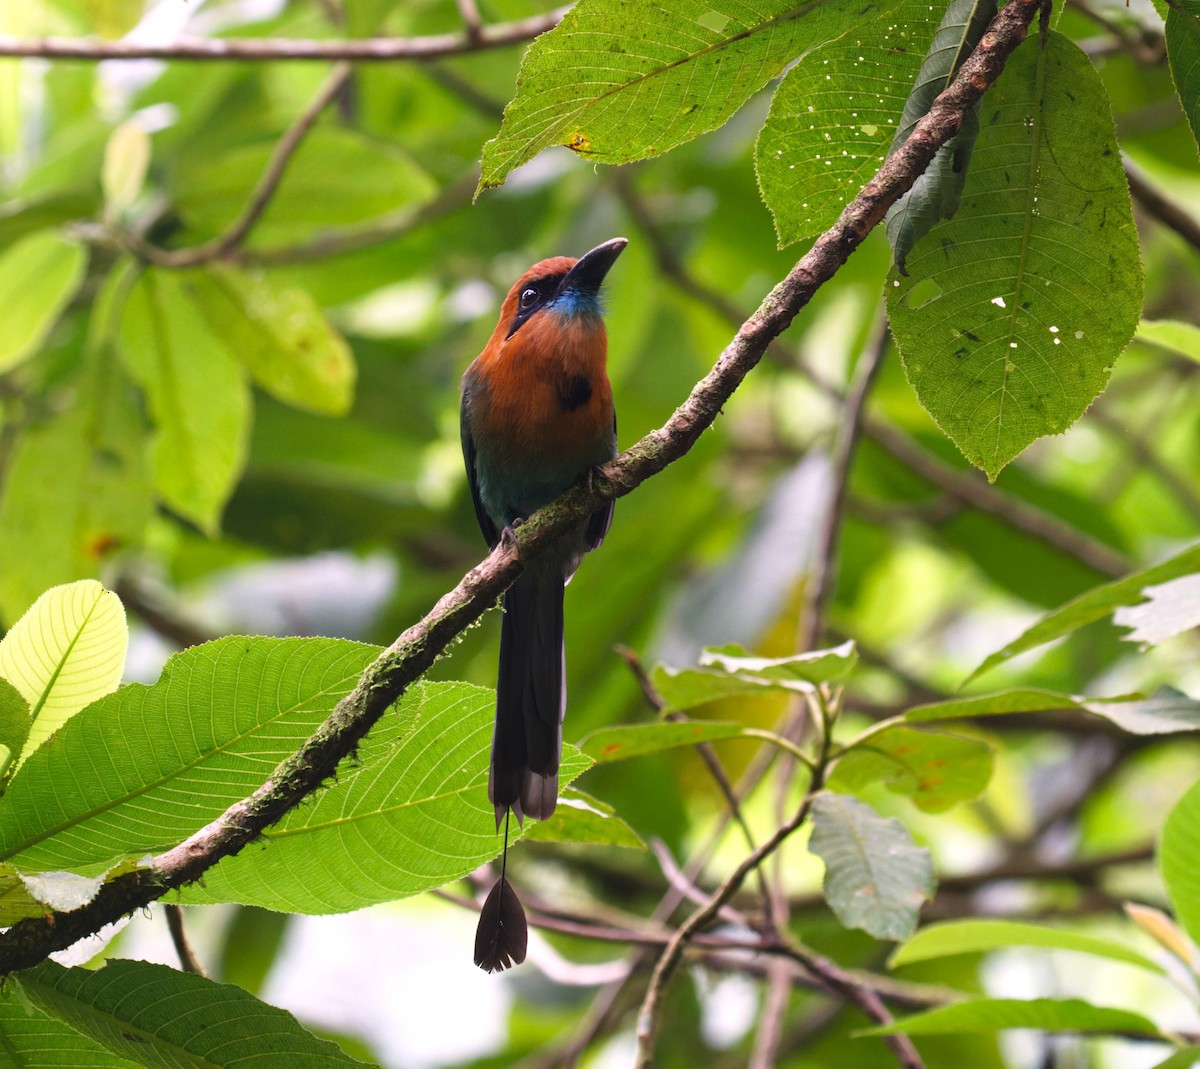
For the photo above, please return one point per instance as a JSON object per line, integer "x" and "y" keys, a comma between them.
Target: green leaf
{"x": 410, "y": 814}
{"x": 1175, "y": 336}
{"x": 143, "y": 768}
{"x": 66, "y": 651}
{"x": 77, "y": 489}
{"x": 1183, "y": 51}
{"x": 112, "y": 18}
{"x": 337, "y": 177}
{"x": 876, "y": 877}
{"x": 1181, "y": 1059}
{"x": 34, "y": 1039}
{"x": 936, "y": 193}
{"x": 160, "y": 1017}
{"x": 620, "y": 743}
{"x": 973, "y": 936}
{"x": 580, "y": 818}
{"x": 198, "y": 397}
{"x": 996, "y": 1014}
{"x": 1016, "y": 309}
{"x": 1170, "y": 609}
{"x": 38, "y": 276}
{"x": 1165, "y": 712}
{"x": 280, "y": 334}
{"x": 934, "y": 769}
{"x": 1092, "y": 606}
{"x": 126, "y": 160}
{"x": 727, "y": 671}
{"x": 14, "y": 723}
{"x": 619, "y": 80}
{"x": 17, "y": 900}
{"x": 1178, "y": 849}
{"x": 822, "y": 142}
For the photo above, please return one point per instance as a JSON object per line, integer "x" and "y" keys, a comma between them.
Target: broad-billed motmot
{"x": 537, "y": 414}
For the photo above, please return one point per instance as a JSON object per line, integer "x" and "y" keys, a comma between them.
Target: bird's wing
{"x": 486, "y": 525}
{"x": 601, "y": 520}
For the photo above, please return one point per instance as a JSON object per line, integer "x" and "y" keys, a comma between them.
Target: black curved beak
{"x": 590, "y": 269}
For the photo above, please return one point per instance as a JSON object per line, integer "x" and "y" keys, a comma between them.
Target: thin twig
{"x": 188, "y": 961}
{"x": 266, "y": 49}
{"x": 1155, "y": 203}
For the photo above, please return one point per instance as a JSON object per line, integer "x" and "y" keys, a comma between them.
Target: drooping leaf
{"x": 38, "y": 276}
{"x": 414, "y": 802}
{"x": 66, "y": 651}
{"x": 1003, "y": 336}
{"x": 1177, "y": 852}
{"x": 834, "y": 115}
{"x": 338, "y": 176}
{"x": 936, "y": 193}
{"x": 77, "y": 488}
{"x": 1092, "y": 606}
{"x": 620, "y": 743}
{"x": 617, "y": 80}
{"x": 996, "y": 1014}
{"x": 934, "y": 769}
{"x": 199, "y": 398}
{"x": 280, "y": 334}
{"x": 159, "y": 1017}
{"x": 1183, "y": 51}
{"x": 973, "y": 936}
{"x": 143, "y": 768}
{"x": 1170, "y": 609}
{"x": 876, "y": 877}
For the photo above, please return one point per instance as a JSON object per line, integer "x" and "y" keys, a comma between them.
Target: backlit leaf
{"x": 38, "y": 276}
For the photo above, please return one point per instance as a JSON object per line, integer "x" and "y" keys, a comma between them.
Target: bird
{"x": 537, "y": 415}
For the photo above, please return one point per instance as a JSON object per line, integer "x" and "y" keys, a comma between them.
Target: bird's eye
{"x": 528, "y": 297}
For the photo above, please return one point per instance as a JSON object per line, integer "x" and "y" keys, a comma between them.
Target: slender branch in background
{"x": 282, "y": 155}
{"x": 1151, "y": 199}
{"x": 416, "y": 650}
{"x": 471, "y": 19}
{"x": 821, "y": 584}
{"x": 1144, "y": 50}
{"x": 187, "y": 958}
{"x": 265, "y": 49}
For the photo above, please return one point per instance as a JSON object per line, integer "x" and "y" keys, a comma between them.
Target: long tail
{"x": 531, "y": 697}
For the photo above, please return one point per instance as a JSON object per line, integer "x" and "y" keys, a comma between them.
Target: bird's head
{"x": 560, "y": 285}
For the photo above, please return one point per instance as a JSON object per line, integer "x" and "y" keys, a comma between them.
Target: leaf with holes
{"x": 621, "y": 80}
{"x": 1015, "y": 310}
{"x": 876, "y": 877}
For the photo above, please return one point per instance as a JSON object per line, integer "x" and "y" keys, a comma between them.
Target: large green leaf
{"x": 620, "y": 80}
{"x": 145, "y": 767}
{"x": 936, "y": 770}
{"x": 34, "y": 1039}
{"x": 1183, "y": 50}
{"x": 68, "y": 650}
{"x": 1015, "y": 310}
{"x": 280, "y": 334}
{"x": 876, "y": 877}
{"x": 973, "y": 936}
{"x": 995, "y": 1014}
{"x": 165, "y": 1019}
{"x": 198, "y": 395}
{"x": 1178, "y": 849}
{"x": 38, "y": 276}
{"x": 936, "y": 193}
{"x": 337, "y": 177}
{"x": 1092, "y": 606}
{"x": 411, "y": 814}
{"x": 833, "y": 117}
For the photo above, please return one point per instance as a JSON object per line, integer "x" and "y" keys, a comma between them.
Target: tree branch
{"x": 415, "y": 651}
{"x": 266, "y": 49}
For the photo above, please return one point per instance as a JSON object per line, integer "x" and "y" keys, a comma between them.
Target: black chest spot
{"x": 574, "y": 391}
